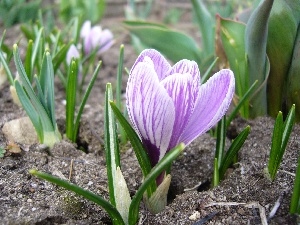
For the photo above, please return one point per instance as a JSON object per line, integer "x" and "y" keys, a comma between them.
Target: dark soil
{"x": 245, "y": 196}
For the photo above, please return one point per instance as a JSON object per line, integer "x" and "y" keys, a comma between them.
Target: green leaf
{"x": 206, "y": 24}
{"x": 28, "y": 68}
{"x": 109, "y": 208}
{"x": 282, "y": 32}
{"x": 150, "y": 178}
{"x": 256, "y": 45}
{"x": 221, "y": 136}
{"x": 233, "y": 150}
{"x": 293, "y": 90}
{"x": 216, "y": 175}
{"x": 71, "y": 99}
{"x": 112, "y": 151}
{"x": 173, "y": 44}
{"x": 232, "y": 35}
{"x": 295, "y": 200}
{"x": 85, "y": 98}
{"x": 137, "y": 146}
{"x": 275, "y": 159}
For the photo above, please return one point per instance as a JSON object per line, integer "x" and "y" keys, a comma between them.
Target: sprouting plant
{"x": 72, "y": 121}
{"x": 40, "y": 106}
{"x": 281, "y": 134}
{"x": 224, "y": 160}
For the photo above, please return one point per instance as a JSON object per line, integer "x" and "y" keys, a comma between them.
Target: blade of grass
{"x": 233, "y": 150}
{"x": 109, "y": 208}
{"x": 150, "y": 178}
{"x": 216, "y": 178}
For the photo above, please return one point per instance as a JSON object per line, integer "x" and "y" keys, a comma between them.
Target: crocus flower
{"x": 94, "y": 37}
{"x": 169, "y": 105}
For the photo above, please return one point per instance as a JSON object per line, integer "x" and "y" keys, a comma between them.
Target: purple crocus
{"x": 169, "y": 105}
{"x": 94, "y": 37}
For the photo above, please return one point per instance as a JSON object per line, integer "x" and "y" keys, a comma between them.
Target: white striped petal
{"x": 151, "y": 109}
{"x": 161, "y": 65}
{"x": 214, "y": 99}
{"x": 179, "y": 88}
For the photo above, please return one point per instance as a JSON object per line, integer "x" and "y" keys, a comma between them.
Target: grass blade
{"x": 109, "y": 208}
{"x": 233, "y": 150}
{"x": 221, "y": 136}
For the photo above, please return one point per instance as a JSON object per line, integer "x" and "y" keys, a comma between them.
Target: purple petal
{"x": 161, "y": 65}
{"x": 106, "y": 41}
{"x": 72, "y": 53}
{"x": 190, "y": 67}
{"x": 85, "y": 29}
{"x": 150, "y": 109}
{"x": 214, "y": 99}
{"x": 179, "y": 88}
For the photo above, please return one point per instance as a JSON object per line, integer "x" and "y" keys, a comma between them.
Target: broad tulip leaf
{"x": 173, "y": 44}
{"x": 256, "y": 44}
{"x": 281, "y": 37}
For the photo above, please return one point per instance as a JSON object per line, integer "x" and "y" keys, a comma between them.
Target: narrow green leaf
{"x": 30, "y": 110}
{"x": 36, "y": 47}
{"x": 208, "y": 71}
{"x": 6, "y": 68}
{"x": 85, "y": 98}
{"x": 295, "y": 200}
{"x": 216, "y": 178}
{"x": 206, "y": 24}
{"x": 150, "y": 178}
{"x": 274, "y": 160}
{"x": 221, "y": 136}
{"x": 28, "y": 68}
{"x": 233, "y": 150}
{"x": 288, "y": 126}
{"x": 137, "y": 146}
{"x": 71, "y": 99}
{"x": 109, "y": 208}
{"x": 119, "y": 92}
{"x": 46, "y": 79}
{"x": 112, "y": 152}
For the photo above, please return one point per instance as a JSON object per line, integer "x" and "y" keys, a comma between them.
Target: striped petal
{"x": 151, "y": 109}
{"x": 212, "y": 103}
{"x": 190, "y": 67}
{"x": 161, "y": 65}
{"x": 179, "y": 88}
